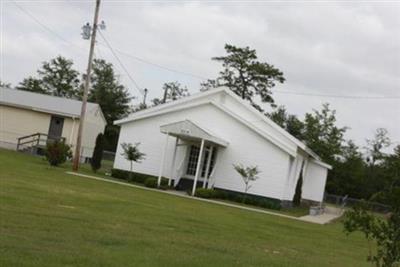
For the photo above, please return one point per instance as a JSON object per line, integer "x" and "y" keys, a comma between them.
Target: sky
{"x": 344, "y": 53}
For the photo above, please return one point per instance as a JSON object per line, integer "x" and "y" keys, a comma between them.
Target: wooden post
{"x": 173, "y": 162}
{"x": 162, "y": 161}
{"x": 75, "y": 165}
{"x": 198, "y": 167}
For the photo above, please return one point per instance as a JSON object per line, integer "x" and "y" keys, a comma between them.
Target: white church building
{"x": 200, "y": 137}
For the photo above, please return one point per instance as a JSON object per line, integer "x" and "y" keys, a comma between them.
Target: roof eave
{"x": 323, "y": 164}
{"x": 160, "y": 107}
{"x": 69, "y": 115}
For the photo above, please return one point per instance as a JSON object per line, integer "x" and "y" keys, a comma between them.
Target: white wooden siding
{"x": 245, "y": 147}
{"x": 314, "y": 182}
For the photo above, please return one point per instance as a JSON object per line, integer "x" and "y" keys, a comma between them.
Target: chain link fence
{"x": 109, "y": 155}
{"x": 345, "y": 201}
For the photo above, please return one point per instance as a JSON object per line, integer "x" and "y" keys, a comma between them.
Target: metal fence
{"x": 109, "y": 155}
{"x": 345, "y": 201}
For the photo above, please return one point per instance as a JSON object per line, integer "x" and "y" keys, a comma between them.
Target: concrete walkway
{"x": 330, "y": 214}
{"x": 319, "y": 219}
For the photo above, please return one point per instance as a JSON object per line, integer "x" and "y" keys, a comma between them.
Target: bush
{"x": 264, "y": 203}
{"x": 258, "y": 201}
{"x": 151, "y": 182}
{"x": 164, "y": 186}
{"x": 206, "y": 193}
{"x": 239, "y": 197}
{"x": 57, "y": 153}
{"x": 136, "y": 177}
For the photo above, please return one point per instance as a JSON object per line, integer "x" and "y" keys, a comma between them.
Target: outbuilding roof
{"x": 43, "y": 103}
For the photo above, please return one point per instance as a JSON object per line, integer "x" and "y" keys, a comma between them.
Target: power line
{"x": 182, "y": 72}
{"x": 275, "y": 91}
{"x": 335, "y": 96}
{"x": 122, "y": 64}
{"x": 99, "y": 53}
{"x": 161, "y": 66}
{"x": 68, "y": 42}
{"x": 42, "y": 25}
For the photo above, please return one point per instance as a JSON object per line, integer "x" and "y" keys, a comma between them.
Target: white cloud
{"x": 326, "y": 48}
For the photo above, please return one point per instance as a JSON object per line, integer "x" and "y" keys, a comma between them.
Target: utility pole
{"x": 144, "y": 96}
{"x": 86, "y": 89}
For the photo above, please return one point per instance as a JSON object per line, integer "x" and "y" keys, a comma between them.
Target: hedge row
{"x": 151, "y": 181}
{"x": 147, "y": 180}
{"x": 239, "y": 197}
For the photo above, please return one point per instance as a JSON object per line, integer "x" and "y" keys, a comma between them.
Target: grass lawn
{"x": 105, "y": 171}
{"x": 49, "y": 218}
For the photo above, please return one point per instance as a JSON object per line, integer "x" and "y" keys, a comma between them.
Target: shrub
{"x": 258, "y": 201}
{"x": 206, "y": 193}
{"x": 57, "y": 153}
{"x": 135, "y": 176}
{"x": 150, "y": 182}
{"x": 125, "y": 175}
{"x": 97, "y": 156}
{"x": 381, "y": 233}
{"x": 165, "y": 186}
{"x": 238, "y": 197}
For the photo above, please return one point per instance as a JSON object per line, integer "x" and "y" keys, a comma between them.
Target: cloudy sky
{"x": 345, "y": 53}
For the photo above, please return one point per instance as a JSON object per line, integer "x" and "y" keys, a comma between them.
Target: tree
{"x": 174, "y": 91}
{"x": 348, "y": 173}
{"x": 289, "y": 122}
{"x": 32, "y": 84}
{"x": 389, "y": 177}
{"x": 248, "y": 174}
{"x": 384, "y": 232}
{"x": 322, "y": 135}
{"x": 245, "y": 75}
{"x": 392, "y": 167}
{"x": 295, "y": 127}
{"x": 156, "y": 101}
{"x": 56, "y": 77}
{"x": 376, "y": 179}
{"x": 376, "y": 145}
{"x": 97, "y": 153}
{"x": 112, "y": 97}
{"x": 132, "y": 154}
{"x": 279, "y": 116}
{"x": 5, "y": 85}
{"x": 108, "y": 92}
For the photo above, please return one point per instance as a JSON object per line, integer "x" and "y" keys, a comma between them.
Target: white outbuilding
{"x": 29, "y": 120}
{"x": 197, "y": 139}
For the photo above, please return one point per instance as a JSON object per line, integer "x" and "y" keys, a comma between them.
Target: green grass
{"x": 105, "y": 171}
{"x": 49, "y": 218}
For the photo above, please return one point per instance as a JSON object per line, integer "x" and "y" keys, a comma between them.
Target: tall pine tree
{"x": 246, "y": 76}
